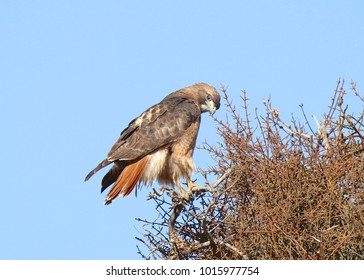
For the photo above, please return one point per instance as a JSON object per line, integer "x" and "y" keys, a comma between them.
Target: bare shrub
{"x": 284, "y": 190}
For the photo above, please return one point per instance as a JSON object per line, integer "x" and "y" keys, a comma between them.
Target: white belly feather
{"x": 156, "y": 168}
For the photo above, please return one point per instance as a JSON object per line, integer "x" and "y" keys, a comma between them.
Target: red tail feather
{"x": 127, "y": 180}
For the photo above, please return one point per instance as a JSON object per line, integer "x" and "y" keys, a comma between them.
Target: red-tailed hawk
{"x": 158, "y": 145}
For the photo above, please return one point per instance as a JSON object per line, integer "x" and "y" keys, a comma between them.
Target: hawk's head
{"x": 208, "y": 98}
{"x": 205, "y": 96}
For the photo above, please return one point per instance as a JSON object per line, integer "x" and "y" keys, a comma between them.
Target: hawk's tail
{"x": 101, "y": 165}
{"x": 127, "y": 180}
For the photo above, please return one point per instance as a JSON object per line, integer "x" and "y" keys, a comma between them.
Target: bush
{"x": 284, "y": 191}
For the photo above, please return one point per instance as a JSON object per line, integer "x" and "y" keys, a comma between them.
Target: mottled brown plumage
{"x": 158, "y": 145}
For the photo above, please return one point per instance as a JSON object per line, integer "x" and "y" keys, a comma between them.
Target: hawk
{"x": 158, "y": 145}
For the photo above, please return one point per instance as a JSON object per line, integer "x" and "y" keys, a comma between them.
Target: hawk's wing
{"x": 157, "y": 127}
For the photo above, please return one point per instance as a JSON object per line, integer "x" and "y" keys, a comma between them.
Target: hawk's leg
{"x": 184, "y": 194}
{"x": 192, "y": 188}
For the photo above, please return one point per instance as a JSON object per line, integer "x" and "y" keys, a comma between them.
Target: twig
{"x": 286, "y": 127}
{"x": 322, "y": 133}
{"x": 229, "y": 246}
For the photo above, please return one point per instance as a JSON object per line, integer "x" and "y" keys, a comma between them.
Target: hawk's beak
{"x": 209, "y": 106}
{"x": 212, "y": 110}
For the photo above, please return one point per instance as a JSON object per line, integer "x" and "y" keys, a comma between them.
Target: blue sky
{"x": 74, "y": 73}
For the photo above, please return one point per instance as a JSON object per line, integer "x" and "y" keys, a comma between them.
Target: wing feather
{"x": 157, "y": 127}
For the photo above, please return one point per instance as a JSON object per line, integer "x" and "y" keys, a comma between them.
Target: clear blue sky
{"x": 74, "y": 73}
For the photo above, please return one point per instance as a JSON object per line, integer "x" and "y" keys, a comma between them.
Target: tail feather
{"x": 127, "y": 180}
{"x": 113, "y": 174}
{"x": 101, "y": 165}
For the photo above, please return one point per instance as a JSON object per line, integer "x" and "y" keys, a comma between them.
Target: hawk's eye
{"x": 208, "y": 97}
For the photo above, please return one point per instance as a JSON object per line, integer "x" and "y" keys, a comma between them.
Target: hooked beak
{"x": 212, "y": 110}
